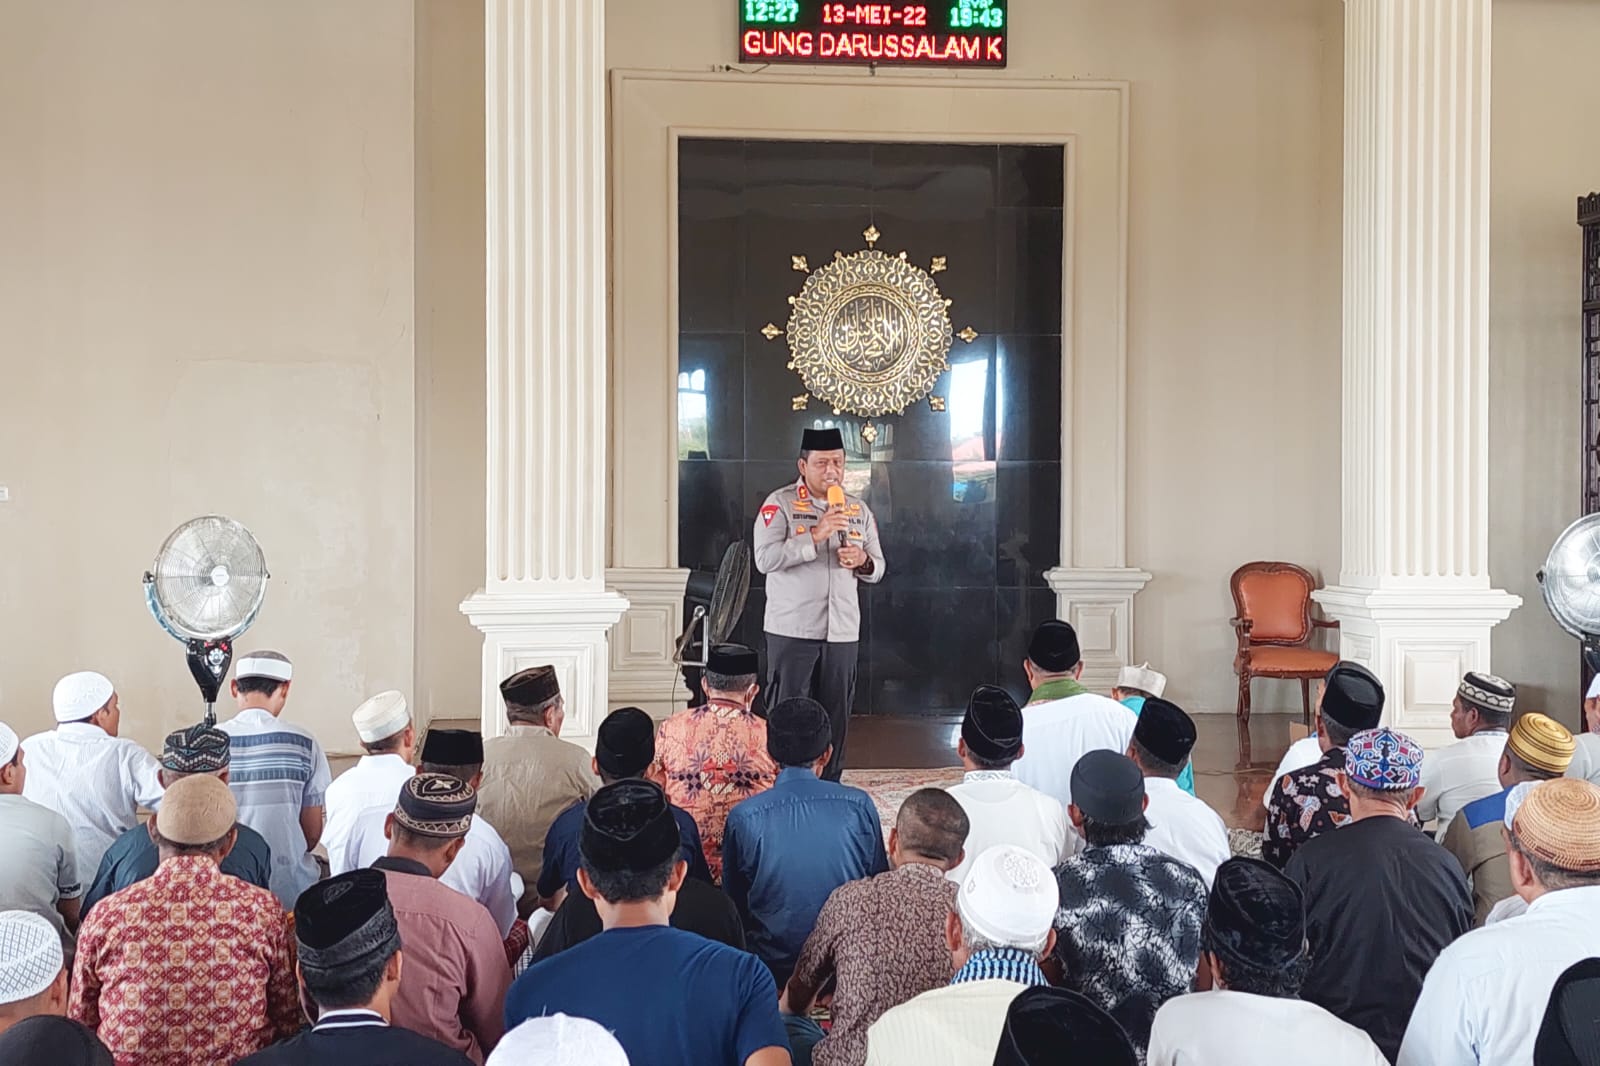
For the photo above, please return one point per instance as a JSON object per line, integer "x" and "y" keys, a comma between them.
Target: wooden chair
{"x": 1273, "y": 623}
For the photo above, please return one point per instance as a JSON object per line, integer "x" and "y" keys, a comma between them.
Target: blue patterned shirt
{"x": 1002, "y": 964}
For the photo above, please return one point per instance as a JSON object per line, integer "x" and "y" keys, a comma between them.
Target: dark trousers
{"x": 825, "y": 672}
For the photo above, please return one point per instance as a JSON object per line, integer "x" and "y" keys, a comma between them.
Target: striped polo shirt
{"x": 277, "y": 770}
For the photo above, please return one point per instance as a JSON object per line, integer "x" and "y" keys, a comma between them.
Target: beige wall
{"x": 1545, "y": 155}
{"x": 206, "y": 290}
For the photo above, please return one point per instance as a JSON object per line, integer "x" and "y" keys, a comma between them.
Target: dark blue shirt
{"x": 561, "y": 849}
{"x": 786, "y": 850}
{"x": 670, "y": 997}
{"x": 133, "y": 857}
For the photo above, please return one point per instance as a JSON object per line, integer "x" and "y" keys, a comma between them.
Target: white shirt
{"x": 1586, "y": 758}
{"x": 1185, "y": 828}
{"x": 1224, "y": 1028}
{"x": 96, "y": 781}
{"x": 1002, "y": 810}
{"x": 481, "y": 870}
{"x": 1057, "y": 733}
{"x": 1485, "y": 997}
{"x": 373, "y": 784}
{"x": 1301, "y": 754}
{"x": 1453, "y": 777}
{"x": 276, "y": 770}
{"x": 958, "y": 1025}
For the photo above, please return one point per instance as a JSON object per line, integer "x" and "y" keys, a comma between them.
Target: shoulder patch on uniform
{"x": 768, "y": 513}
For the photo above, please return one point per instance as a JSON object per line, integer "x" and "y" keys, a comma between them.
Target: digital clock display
{"x": 940, "y": 33}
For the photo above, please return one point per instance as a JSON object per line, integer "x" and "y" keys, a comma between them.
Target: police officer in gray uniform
{"x": 813, "y": 555}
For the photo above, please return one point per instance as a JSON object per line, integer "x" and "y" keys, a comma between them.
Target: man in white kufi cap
{"x": 1586, "y": 760}
{"x": 383, "y": 724}
{"x": 278, "y": 772}
{"x": 33, "y": 970}
{"x": 1000, "y": 929}
{"x": 558, "y": 1040}
{"x": 85, "y": 772}
{"x": 38, "y": 856}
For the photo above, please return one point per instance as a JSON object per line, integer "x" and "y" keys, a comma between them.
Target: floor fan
{"x": 1570, "y": 580}
{"x": 718, "y": 599}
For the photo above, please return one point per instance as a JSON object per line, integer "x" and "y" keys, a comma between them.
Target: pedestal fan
{"x": 1570, "y": 580}
{"x": 205, "y": 588}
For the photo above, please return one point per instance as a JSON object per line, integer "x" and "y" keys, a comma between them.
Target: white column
{"x": 544, "y": 598}
{"x": 1414, "y": 597}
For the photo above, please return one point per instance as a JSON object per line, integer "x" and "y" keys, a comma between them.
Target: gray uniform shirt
{"x": 809, "y": 595}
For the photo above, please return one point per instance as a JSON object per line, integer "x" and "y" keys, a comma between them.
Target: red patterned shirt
{"x": 189, "y": 967}
{"x": 714, "y": 756}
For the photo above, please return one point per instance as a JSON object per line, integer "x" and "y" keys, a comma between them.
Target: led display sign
{"x": 941, "y": 33}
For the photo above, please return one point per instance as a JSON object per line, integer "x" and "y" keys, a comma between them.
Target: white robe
{"x": 1224, "y": 1028}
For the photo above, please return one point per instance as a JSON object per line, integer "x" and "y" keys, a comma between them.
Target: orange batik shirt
{"x": 713, "y": 756}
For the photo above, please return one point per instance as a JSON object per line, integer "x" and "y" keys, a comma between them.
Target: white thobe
{"x": 1301, "y": 754}
{"x": 1002, "y": 810}
{"x": 1586, "y": 758}
{"x": 957, "y": 1025}
{"x": 96, "y": 781}
{"x": 1185, "y": 827}
{"x": 1224, "y": 1028}
{"x": 1485, "y": 997}
{"x": 1453, "y": 777}
{"x": 481, "y": 870}
{"x": 373, "y": 784}
{"x": 1057, "y": 733}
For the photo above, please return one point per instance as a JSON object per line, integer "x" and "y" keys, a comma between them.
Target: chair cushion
{"x": 1270, "y": 661}
{"x": 1276, "y": 604}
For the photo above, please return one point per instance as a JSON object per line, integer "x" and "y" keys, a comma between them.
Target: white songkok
{"x": 558, "y": 1040}
{"x": 1142, "y": 678}
{"x": 79, "y": 695}
{"x": 1514, "y": 798}
{"x": 1009, "y": 897}
{"x": 30, "y": 955}
{"x": 381, "y": 717}
{"x": 8, "y": 744}
{"x": 272, "y": 665}
{"x": 1594, "y": 688}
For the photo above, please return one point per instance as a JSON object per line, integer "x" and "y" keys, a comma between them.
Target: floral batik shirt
{"x": 1304, "y": 804}
{"x": 713, "y": 756}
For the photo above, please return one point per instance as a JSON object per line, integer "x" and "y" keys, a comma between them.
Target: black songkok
{"x": 992, "y": 726}
{"x": 1570, "y": 1034}
{"x": 345, "y": 924}
{"x": 453, "y": 747}
{"x": 822, "y": 440}
{"x": 1352, "y": 696}
{"x": 626, "y": 743}
{"x": 1047, "y": 1026}
{"x": 531, "y": 687}
{"x": 1165, "y": 731}
{"x": 1054, "y": 647}
{"x": 199, "y": 749}
{"x": 733, "y": 660}
{"x": 1108, "y": 787}
{"x": 436, "y": 805}
{"x": 628, "y": 828}
{"x": 48, "y": 1040}
{"x": 1255, "y": 916}
{"x": 798, "y": 731}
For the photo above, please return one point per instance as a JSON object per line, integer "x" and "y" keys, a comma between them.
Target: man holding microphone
{"x": 815, "y": 543}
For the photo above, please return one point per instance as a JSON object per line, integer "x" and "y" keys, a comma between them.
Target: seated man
{"x": 383, "y": 724}
{"x": 33, "y": 968}
{"x": 1048, "y": 1026}
{"x": 1253, "y": 958}
{"x": 669, "y": 997}
{"x": 40, "y": 851}
{"x": 715, "y": 755}
{"x": 350, "y": 963}
{"x": 199, "y": 749}
{"x": 1001, "y": 809}
{"x": 1537, "y": 749}
{"x": 788, "y": 848}
{"x": 1180, "y": 824}
{"x": 1586, "y": 759}
{"x": 1135, "y": 684}
{"x": 880, "y": 941}
{"x": 1456, "y": 775}
{"x": 1128, "y": 931}
{"x": 996, "y": 935}
{"x": 160, "y": 942}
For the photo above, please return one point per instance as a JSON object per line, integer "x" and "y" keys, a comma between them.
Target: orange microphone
{"x": 836, "y": 499}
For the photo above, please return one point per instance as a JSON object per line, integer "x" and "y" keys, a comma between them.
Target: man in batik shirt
{"x": 715, "y": 755}
{"x": 190, "y": 965}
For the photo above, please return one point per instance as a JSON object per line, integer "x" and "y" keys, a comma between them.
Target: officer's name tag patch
{"x": 768, "y": 513}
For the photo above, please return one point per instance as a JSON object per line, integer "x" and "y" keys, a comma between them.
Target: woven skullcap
{"x": 1053, "y": 647}
{"x": 198, "y": 749}
{"x": 625, "y": 744}
{"x": 733, "y": 660}
{"x": 558, "y": 1040}
{"x": 1559, "y": 822}
{"x": 272, "y": 665}
{"x": 1255, "y": 916}
{"x": 628, "y": 827}
{"x": 1108, "y": 787}
{"x": 822, "y": 440}
{"x": 1570, "y": 1033}
{"x": 992, "y": 726}
{"x": 436, "y": 805}
{"x": 1514, "y": 798}
{"x": 30, "y": 955}
{"x": 8, "y": 744}
{"x": 1541, "y": 742}
{"x": 345, "y": 924}
{"x": 1384, "y": 760}
{"x": 531, "y": 687}
{"x": 1009, "y": 897}
{"x": 798, "y": 731}
{"x": 1047, "y": 1026}
{"x": 78, "y": 696}
{"x": 381, "y": 717}
{"x": 1142, "y": 678}
{"x": 1493, "y": 694}
{"x": 196, "y": 810}
{"x": 49, "y": 1040}
{"x": 1165, "y": 731}
{"x": 453, "y": 747}
{"x": 1352, "y": 696}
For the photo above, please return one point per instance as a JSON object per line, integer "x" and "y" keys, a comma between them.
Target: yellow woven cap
{"x": 1542, "y": 742}
{"x": 1559, "y": 822}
